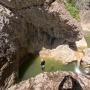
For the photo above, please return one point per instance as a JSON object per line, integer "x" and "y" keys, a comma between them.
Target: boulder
{"x": 81, "y": 44}
{"x": 54, "y": 81}
{"x": 62, "y": 53}
{"x": 86, "y": 57}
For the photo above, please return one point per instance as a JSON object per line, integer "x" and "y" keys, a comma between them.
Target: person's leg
{"x": 43, "y": 67}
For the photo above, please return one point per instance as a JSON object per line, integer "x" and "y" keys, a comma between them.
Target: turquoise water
{"x": 32, "y": 67}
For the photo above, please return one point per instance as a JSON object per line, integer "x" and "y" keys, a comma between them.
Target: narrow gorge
{"x": 48, "y": 29}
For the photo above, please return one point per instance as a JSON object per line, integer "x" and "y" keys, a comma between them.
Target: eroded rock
{"x": 51, "y": 81}
{"x": 62, "y": 53}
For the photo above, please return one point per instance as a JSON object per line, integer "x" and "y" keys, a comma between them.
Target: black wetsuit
{"x": 42, "y": 65}
{"x": 75, "y": 84}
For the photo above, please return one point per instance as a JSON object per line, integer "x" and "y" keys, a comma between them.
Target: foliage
{"x": 70, "y": 6}
{"x": 87, "y": 37}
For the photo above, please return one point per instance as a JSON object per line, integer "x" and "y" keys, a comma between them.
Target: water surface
{"x": 32, "y": 67}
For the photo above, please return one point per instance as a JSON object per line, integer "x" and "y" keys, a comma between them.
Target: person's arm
{"x": 62, "y": 82}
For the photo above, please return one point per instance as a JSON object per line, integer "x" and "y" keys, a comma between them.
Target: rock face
{"x": 84, "y": 6}
{"x": 86, "y": 58}
{"x": 65, "y": 53}
{"x": 26, "y": 27}
{"x": 7, "y": 52}
{"x": 51, "y": 81}
{"x": 85, "y": 21}
{"x": 62, "y": 53}
{"x": 46, "y": 24}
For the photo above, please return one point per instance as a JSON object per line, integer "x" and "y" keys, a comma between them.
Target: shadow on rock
{"x": 69, "y": 83}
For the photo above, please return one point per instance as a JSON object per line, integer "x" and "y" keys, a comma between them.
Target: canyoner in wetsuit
{"x": 42, "y": 64}
{"x": 73, "y": 85}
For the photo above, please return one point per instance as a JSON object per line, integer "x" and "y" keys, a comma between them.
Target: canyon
{"x": 26, "y": 27}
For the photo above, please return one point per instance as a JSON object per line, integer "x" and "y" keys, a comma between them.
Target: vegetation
{"x": 71, "y": 7}
{"x": 87, "y": 37}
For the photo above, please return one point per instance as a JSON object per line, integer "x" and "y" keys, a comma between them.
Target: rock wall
{"x": 48, "y": 22}
{"x": 27, "y": 27}
{"x": 84, "y": 6}
{"x": 51, "y": 81}
{"x": 7, "y": 52}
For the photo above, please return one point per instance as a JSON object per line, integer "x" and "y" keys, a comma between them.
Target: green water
{"x": 87, "y": 37}
{"x": 32, "y": 67}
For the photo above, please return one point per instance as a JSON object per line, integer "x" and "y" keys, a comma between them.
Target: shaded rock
{"x": 51, "y": 81}
{"x": 7, "y": 52}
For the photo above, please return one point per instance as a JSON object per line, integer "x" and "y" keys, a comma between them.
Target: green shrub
{"x": 70, "y": 6}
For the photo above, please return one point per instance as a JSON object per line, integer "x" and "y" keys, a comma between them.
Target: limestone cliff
{"x": 26, "y": 27}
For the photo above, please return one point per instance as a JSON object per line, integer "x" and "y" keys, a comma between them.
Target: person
{"x": 42, "y": 64}
{"x": 75, "y": 84}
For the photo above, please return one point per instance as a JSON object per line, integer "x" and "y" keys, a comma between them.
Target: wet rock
{"x": 52, "y": 81}
{"x": 7, "y": 52}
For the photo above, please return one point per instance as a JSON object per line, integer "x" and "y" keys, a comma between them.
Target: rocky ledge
{"x": 54, "y": 81}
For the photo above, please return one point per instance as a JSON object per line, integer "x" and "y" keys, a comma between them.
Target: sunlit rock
{"x": 62, "y": 53}
{"x": 52, "y": 80}
{"x": 81, "y": 44}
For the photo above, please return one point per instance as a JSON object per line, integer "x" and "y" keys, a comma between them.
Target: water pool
{"x": 32, "y": 67}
